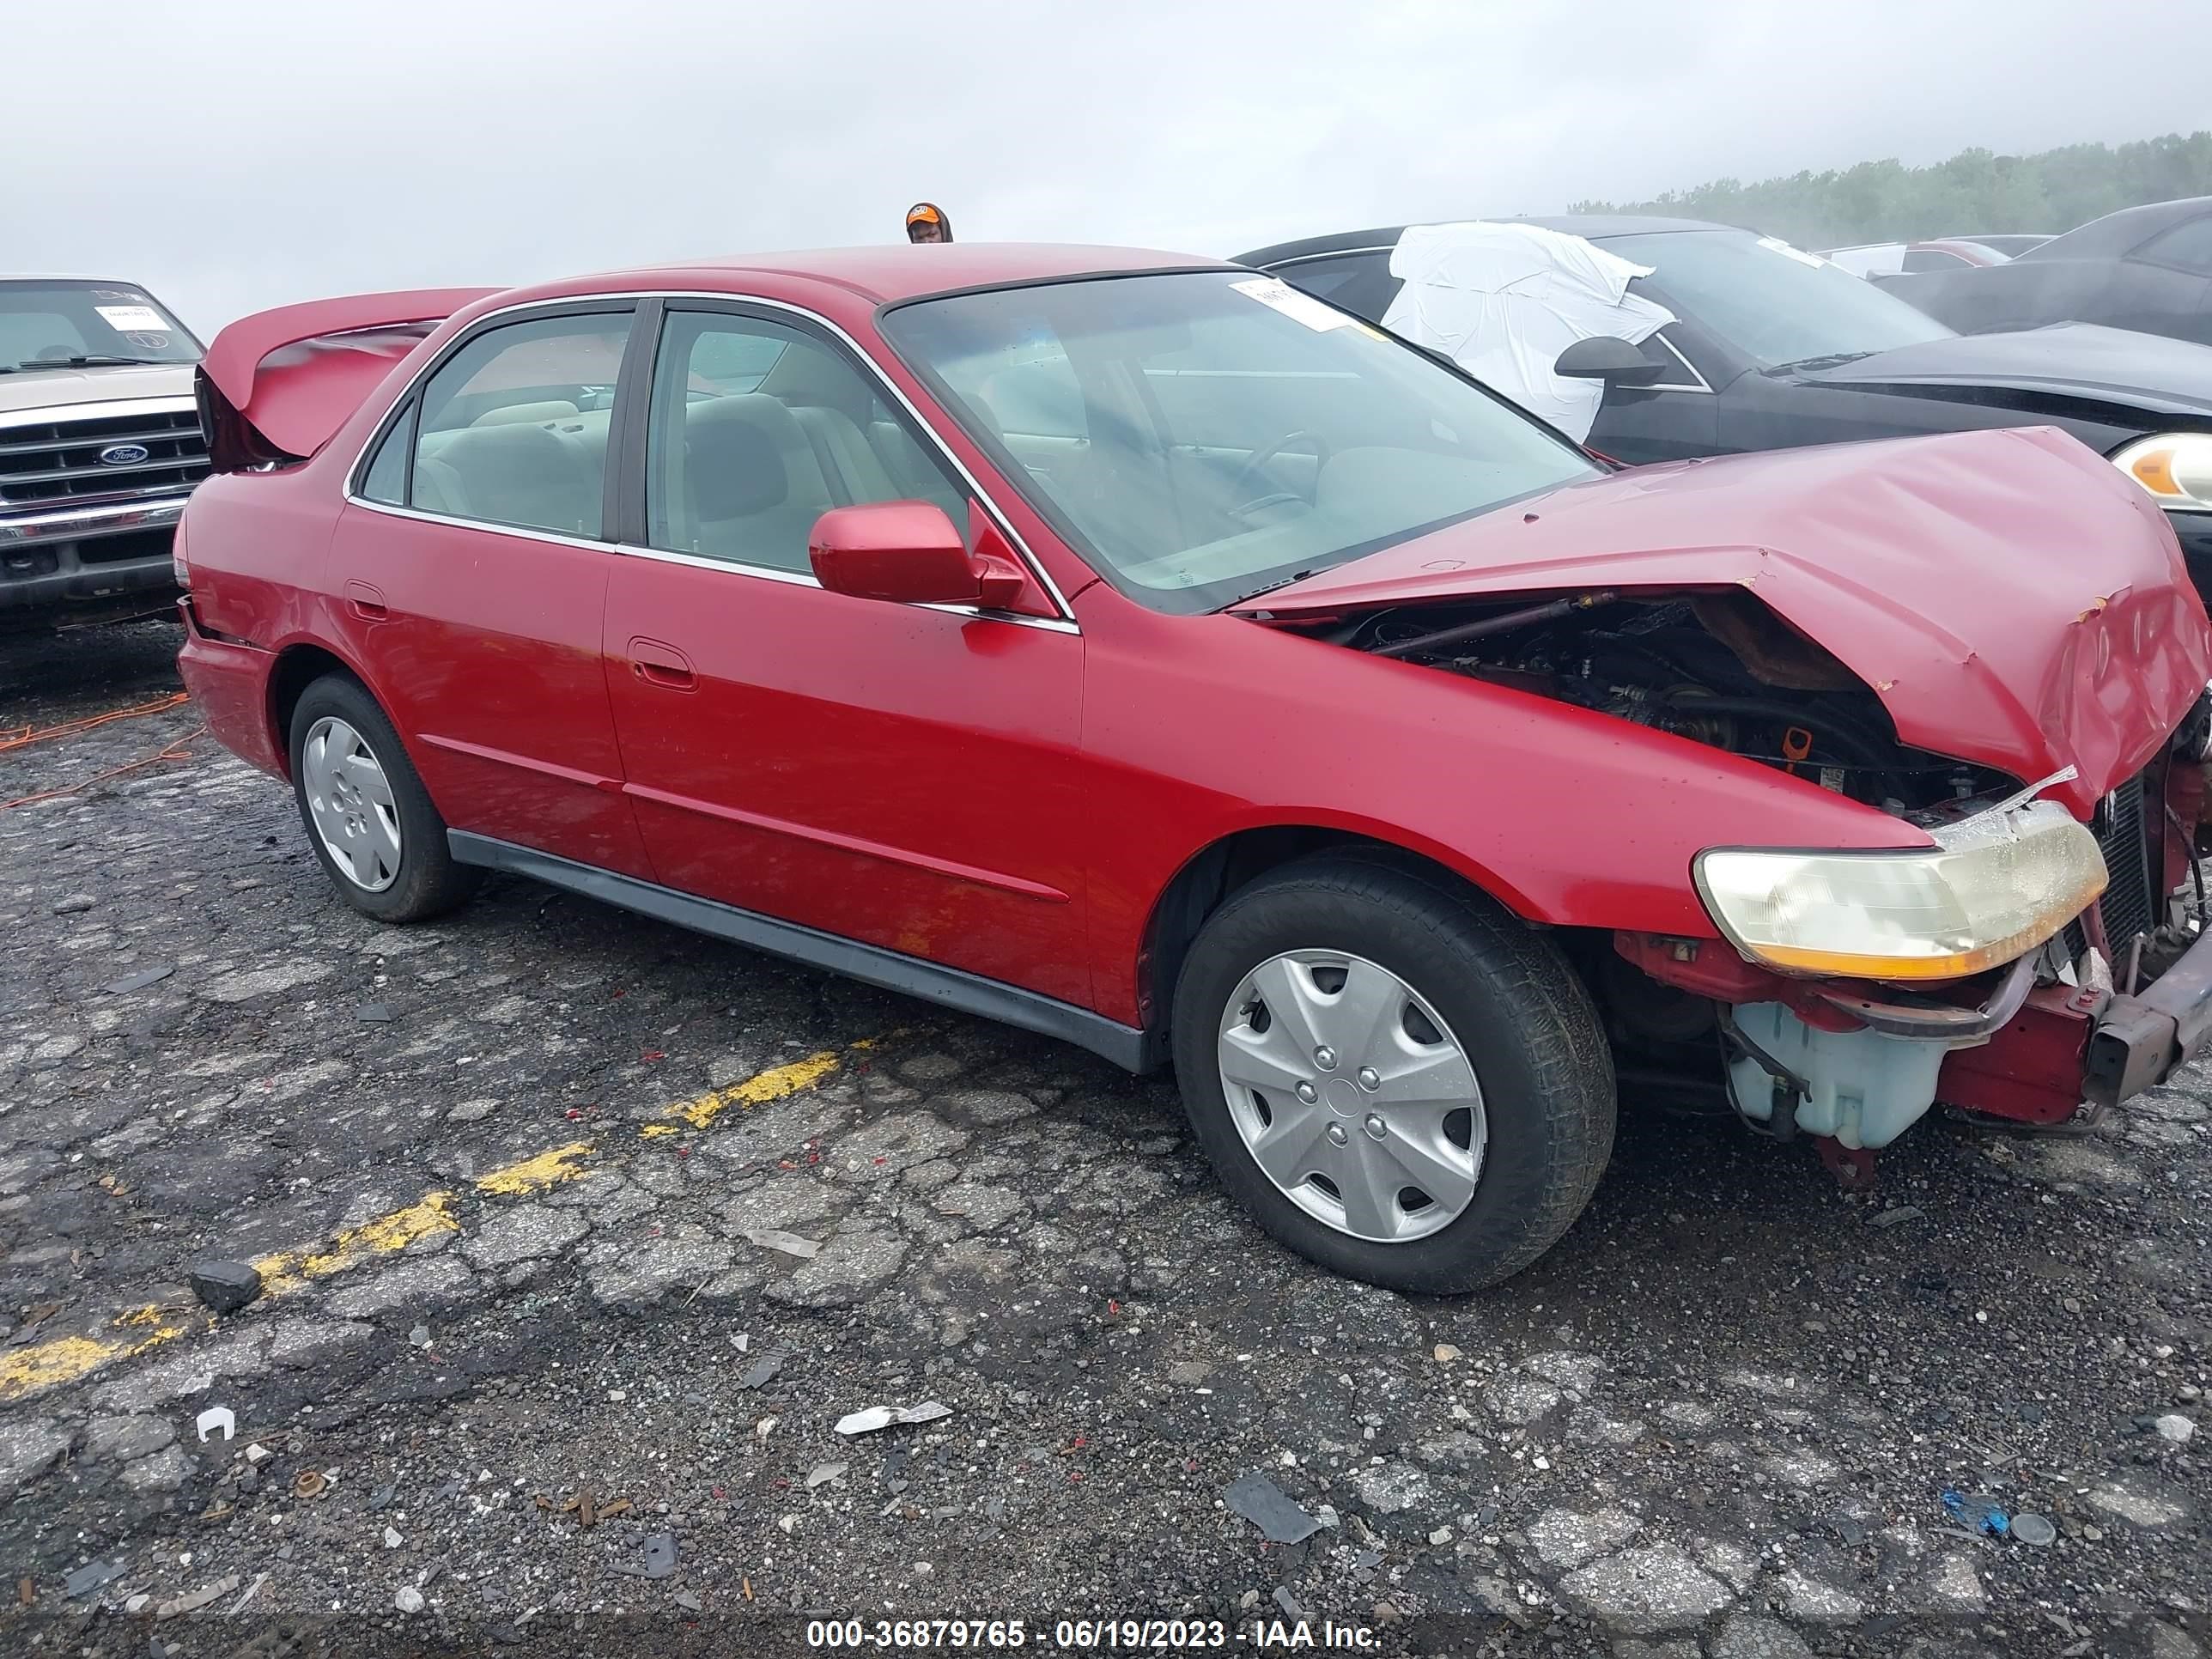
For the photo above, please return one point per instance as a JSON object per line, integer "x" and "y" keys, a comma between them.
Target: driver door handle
{"x": 656, "y": 663}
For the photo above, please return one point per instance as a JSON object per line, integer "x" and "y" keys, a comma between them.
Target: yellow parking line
{"x": 387, "y": 1235}
{"x": 774, "y": 1083}
{"x": 44, "y": 1366}
{"x": 534, "y": 1174}
{"x": 49, "y": 1365}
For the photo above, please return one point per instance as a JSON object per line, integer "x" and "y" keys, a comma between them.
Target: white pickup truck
{"x": 99, "y": 444}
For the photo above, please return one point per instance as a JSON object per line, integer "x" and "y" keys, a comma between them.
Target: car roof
{"x": 905, "y": 271}
{"x": 1596, "y": 226}
{"x": 2117, "y": 232}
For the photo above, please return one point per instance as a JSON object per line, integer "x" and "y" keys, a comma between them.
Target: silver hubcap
{"x": 1352, "y": 1094}
{"x": 351, "y": 801}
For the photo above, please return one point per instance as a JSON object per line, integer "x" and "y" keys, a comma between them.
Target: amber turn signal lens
{"x": 2177, "y": 468}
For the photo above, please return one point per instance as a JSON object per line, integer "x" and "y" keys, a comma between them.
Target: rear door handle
{"x": 366, "y": 602}
{"x": 658, "y": 663}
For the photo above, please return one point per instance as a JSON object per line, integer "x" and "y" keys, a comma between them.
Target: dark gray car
{"x": 1770, "y": 353}
{"x": 2147, "y": 268}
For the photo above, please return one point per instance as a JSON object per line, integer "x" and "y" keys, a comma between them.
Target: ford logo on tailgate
{"x": 123, "y": 455}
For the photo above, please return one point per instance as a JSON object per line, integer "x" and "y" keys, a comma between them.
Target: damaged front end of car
{"x": 2038, "y": 943}
{"x": 2011, "y": 971}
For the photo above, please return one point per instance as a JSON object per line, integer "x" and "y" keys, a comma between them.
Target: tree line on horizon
{"x": 1975, "y": 190}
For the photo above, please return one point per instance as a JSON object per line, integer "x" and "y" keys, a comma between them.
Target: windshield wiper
{"x": 1832, "y": 360}
{"x": 1269, "y": 587}
{"x": 88, "y": 359}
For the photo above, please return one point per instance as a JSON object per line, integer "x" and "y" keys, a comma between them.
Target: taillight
{"x": 179, "y": 566}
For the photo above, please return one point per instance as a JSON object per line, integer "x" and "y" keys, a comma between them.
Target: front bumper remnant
{"x": 2014, "y": 1057}
{"x": 2143, "y": 1039}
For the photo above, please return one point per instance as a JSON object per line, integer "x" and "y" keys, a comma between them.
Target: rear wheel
{"x": 1396, "y": 1080}
{"x": 369, "y": 819}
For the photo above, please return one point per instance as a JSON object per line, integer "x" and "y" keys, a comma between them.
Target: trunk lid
{"x": 275, "y": 386}
{"x": 2011, "y": 598}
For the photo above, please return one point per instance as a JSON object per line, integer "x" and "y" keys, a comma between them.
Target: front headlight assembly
{"x": 2176, "y": 468}
{"x": 1994, "y": 886}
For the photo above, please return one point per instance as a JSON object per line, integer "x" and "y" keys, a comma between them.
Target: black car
{"x": 1768, "y": 353}
{"x": 2148, "y": 268}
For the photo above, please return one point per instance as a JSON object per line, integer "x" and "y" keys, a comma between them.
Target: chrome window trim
{"x": 766, "y": 573}
{"x": 120, "y": 409}
{"x": 1064, "y": 623}
{"x": 524, "y": 533}
{"x": 695, "y": 560}
{"x": 1675, "y": 351}
{"x": 1334, "y": 254}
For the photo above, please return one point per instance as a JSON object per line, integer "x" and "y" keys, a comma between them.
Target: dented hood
{"x": 2012, "y": 599}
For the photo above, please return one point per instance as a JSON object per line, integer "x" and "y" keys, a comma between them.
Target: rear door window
{"x": 386, "y": 480}
{"x": 513, "y": 429}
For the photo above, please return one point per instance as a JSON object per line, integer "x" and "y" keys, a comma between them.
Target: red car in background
{"x": 1134, "y": 649}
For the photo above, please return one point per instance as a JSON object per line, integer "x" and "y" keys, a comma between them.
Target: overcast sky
{"x": 238, "y": 153}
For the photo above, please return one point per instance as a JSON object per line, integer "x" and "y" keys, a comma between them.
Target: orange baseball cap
{"x": 924, "y": 213}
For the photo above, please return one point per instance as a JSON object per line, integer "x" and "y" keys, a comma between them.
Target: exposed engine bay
{"x": 1717, "y": 668}
{"x": 1848, "y": 1063}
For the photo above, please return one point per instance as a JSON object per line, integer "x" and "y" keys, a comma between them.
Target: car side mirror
{"x": 1612, "y": 360}
{"x": 908, "y": 553}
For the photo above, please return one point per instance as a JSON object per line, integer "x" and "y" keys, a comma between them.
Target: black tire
{"x": 1522, "y": 1017}
{"x": 429, "y": 883}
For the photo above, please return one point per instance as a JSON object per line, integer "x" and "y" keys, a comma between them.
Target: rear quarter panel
{"x": 257, "y": 543}
{"x": 259, "y": 546}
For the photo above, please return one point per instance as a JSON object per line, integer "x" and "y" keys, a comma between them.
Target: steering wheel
{"x": 1258, "y": 463}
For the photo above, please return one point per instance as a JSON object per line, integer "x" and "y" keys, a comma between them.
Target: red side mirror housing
{"x": 908, "y": 553}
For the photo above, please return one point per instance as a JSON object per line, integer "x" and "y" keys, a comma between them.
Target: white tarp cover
{"x": 1503, "y": 300}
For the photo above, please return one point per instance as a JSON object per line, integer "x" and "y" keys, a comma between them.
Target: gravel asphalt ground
{"x": 579, "y": 1235}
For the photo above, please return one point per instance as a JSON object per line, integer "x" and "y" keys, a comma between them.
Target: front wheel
{"x": 373, "y": 825}
{"x": 1398, "y": 1081}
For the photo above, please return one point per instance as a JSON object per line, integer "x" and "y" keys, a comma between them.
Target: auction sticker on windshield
{"x": 1281, "y": 297}
{"x": 124, "y": 318}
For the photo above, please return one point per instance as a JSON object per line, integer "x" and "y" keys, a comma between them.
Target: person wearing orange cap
{"x": 925, "y": 222}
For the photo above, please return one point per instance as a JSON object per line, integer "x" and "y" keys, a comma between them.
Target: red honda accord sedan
{"x": 1133, "y": 649}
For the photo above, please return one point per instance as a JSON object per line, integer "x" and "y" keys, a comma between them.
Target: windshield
{"x": 1200, "y": 436}
{"x": 1772, "y": 303}
{"x": 45, "y": 323}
